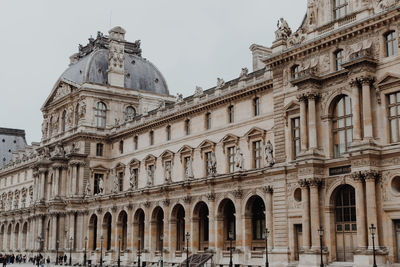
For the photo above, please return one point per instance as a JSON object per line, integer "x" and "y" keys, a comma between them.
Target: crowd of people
{"x": 38, "y": 260}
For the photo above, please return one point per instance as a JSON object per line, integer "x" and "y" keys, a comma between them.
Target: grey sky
{"x": 191, "y": 42}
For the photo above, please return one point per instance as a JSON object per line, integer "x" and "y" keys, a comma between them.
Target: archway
{"x": 2, "y": 237}
{"x": 9, "y": 237}
{"x": 16, "y": 236}
{"x": 226, "y": 224}
{"x": 344, "y": 199}
{"x": 139, "y": 228}
{"x": 201, "y": 226}
{"x": 123, "y": 229}
{"x": 93, "y": 232}
{"x": 255, "y": 222}
{"x": 157, "y": 228}
{"x": 24, "y": 235}
{"x": 178, "y": 227}
{"x": 107, "y": 230}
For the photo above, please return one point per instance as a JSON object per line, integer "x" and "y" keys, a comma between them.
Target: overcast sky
{"x": 191, "y": 42}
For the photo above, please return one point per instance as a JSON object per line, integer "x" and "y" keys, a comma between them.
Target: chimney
{"x": 116, "y": 73}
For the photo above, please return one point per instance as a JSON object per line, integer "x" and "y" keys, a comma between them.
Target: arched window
{"x": 342, "y": 126}
{"x": 340, "y": 8}
{"x": 391, "y": 43}
{"x": 339, "y": 58}
{"x": 100, "y": 115}
{"x": 130, "y": 113}
{"x": 63, "y": 120}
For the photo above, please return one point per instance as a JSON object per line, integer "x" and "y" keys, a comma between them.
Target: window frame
{"x": 99, "y": 150}
{"x": 121, "y": 181}
{"x": 135, "y": 142}
{"x": 231, "y": 158}
{"x": 396, "y": 117}
{"x": 151, "y": 138}
{"x": 231, "y": 114}
{"x": 295, "y": 71}
{"x": 168, "y": 130}
{"x": 101, "y": 115}
{"x": 208, "y": 121}
{"x": 339, "y": 59}
{"x": 390, "y": 44}
{"x": 345, "y": 128}
{"x": 121, "y": 147}
{"x": 207, "y": 160}
{"x": 256, "y": 106}
{"x": 257, "y": 154}
{"x": 338, "y": 8}
{"x": 295, "y": 139}
{"x": 187, "y": 127}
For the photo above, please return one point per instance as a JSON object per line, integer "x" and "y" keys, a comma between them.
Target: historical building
{"x": 309, "y": 139}
{"x": 11, "y": 140}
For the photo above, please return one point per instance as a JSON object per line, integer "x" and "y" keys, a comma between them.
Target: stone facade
{"x": 309, "y": 139}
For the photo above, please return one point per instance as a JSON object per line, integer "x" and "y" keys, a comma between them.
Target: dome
{"x": 139, "y": 73}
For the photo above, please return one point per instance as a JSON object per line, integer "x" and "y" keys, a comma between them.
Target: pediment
{"x": 134, "y": 163}
{"x": 99, "y": 168}
{"x": 388, "y": 79}
{"x": 185, "y": 149}
{"x": 230, "y": 138}
{"x": 150, "y": 159}
{"x": 60, "y": 90}
{"x": 255, "y": 132}
{"x": 206, "y": 144}
{"x": 167, "y": 154}
{"x": 292, "y": 105}
{"x": 120, "y": 165}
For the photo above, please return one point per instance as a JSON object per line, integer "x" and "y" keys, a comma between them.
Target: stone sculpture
{"x": 149, "y": 177}
{"x": 132, "y": 180}
{"x": 239, "y": 160}
{"x": 283, "y": 31}
{"x": 212, "y": 164}
{"x": 101, "y": 186}
{"x": 269, "y": 157}
{"x": 189, "y": 170}
{"x": 168, "y": 172}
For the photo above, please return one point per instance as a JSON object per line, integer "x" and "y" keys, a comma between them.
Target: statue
{"x": 220, "y": 83}
{"x": 44, "y": 128}
{"x": 269, "y": 150}
{"x": 239, "y": 160}
{"x": 133, "y": 180}
{"x": 212, "y": 164}
{"x": 101, "y": 186}
{"x": 88, "y": 189}
{"x": 7, "y": 204}
{"x": 168, "y": 171}
{"x": 189, "y": 170}
{"x": 115, "y": 183}
{"x": 198, "y": 91}
{"x": 59, "y": 151}
{"x": 68, "y": 116}
{"x": 82, "y": 109}
{"x": 283, "y": 31}
{"x": 243, "y": 73}
{"x": 46, "y": 152}
{"x": 149, "y": 176}
{"x": 384, "y": 4}
{"x": 179, "y": 97}
{"x": 116, "y": 124}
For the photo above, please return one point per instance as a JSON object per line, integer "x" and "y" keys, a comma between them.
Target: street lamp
{"x": 57, "y": 242}
{"x": 101, "y": 251}
{"x": 266, "y": 232}
{"x": 139, "y": 250}
{"x": 162, "y": 248}
{"x": 70, "y": 250}
{"x": 321, "y": 233}
{"x": 84, "y": 256}
{"x": 119, "y": 251}
{"x": 372, "y": 228}
{"x": 230, "y": 237}
{"x": 187, "y": 248}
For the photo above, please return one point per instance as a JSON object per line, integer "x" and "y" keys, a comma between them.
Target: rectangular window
{"x": 257, "y": 155}
{"x": 231, "y": 158}
{"x": 340, "y": 8}
{"x": 208, "y": 162}
{"x": 168, "y": 132}
{"x": 208, "y": 120}
{"x": 256, "y": 104}
{"x": 121, "y": 181}
{"x": 97, "y": 178}
{"x": 394, "y": 117}
{"x": 99, "y": 149}
{"x": 296, "y": 136}
{"x": 187, "y": 127}
{"x": 391, "y": 44}
{"x": 339, "y": 58}
{"x": 231, "y": 114}
{"x": 121, "y": 147}
{"x": 136, "y": 176}
{"x": 295, "y": 72}
{"x": 135, "y": 142}
{"x": 151, "y": 138}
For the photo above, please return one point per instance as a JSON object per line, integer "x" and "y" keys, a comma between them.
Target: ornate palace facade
{"x": 310, "y": 138}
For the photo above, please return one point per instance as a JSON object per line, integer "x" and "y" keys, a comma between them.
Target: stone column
{"x": 269, "y": 214}
{"x": 42, "y": 173}
{"x": 130, "y": 226}
{"x": 62, "y": 182}
{"x": 211, "y": 222}
{"x": 57, "y": 181}
{"x": 239, "y": 221}
{"x": 306, "y": 213}
{"x": 355, "y": 106}
{"x": 312, "y": 123}
{"x": 166, "y": 234}
{"x": 314, "y": 212}
{"x": 303, "y": 124}
{"x": 53, "y": 238}
{"x": 360, "y": 213}
{"x": 370, "y": 177}
{"x": 71, "y": 229}
{"x": 367, "y": 112}
{"x": 40, "y": 231}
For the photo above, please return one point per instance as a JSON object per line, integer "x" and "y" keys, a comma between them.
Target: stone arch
{"x": 122, "y": 229}
{"x": 16, "y": 235}
{"x": 330, "y": 100}
{"x": 226, "y": 223}
{"x": 139, "y": 228}
{"x": 2, "y": 227}
{"x": 177, "y": 225}
{"x": 107, "y": 230}
{"x": 200, "y": 217}
{"x": 336, "y": 224}
{"x": 254, "y": 222}
{"x": 93, "y": 223}
{"x": 157, "y": 228}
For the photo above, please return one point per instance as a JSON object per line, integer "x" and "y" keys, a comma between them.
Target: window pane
{"x": 339, "y": 107}
{"x": 349, "y": 136}
{"x": 393, "y": 111}
{"x": 392, "y": 99}
{"x": 393, "y": 130}
{"x": 341, "y": 142}
{"x": 349, "y": 121}
{"x": 348, "y": 105}
{"x": 341, "y": 123}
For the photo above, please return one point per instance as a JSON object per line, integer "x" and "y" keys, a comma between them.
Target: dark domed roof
{"x": 90, "y": 66}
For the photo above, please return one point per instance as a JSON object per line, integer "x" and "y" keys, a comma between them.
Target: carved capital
{"x": 130, "y": 206}
{"x": 187, "y": 199}
{"x": 353, "y": 83}
{"x": 366, "y": 80}
{"x": 303, "y": 183}
{"x": 146, "y": 204}
{"x": 371, "y": 175}
{"x": 268, "y": 189}
{"x": 315, "y": 182}
{"x": 43, "y": 170}
{"x": 211, "y": 196}
{"x": 357, "y": 176}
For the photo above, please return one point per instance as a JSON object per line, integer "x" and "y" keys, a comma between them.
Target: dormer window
{"x": 391, "y": 43}
{"x": 340, "y": 8}
{"x": 339, "y": 58}
{"x": 295, "y": 71}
